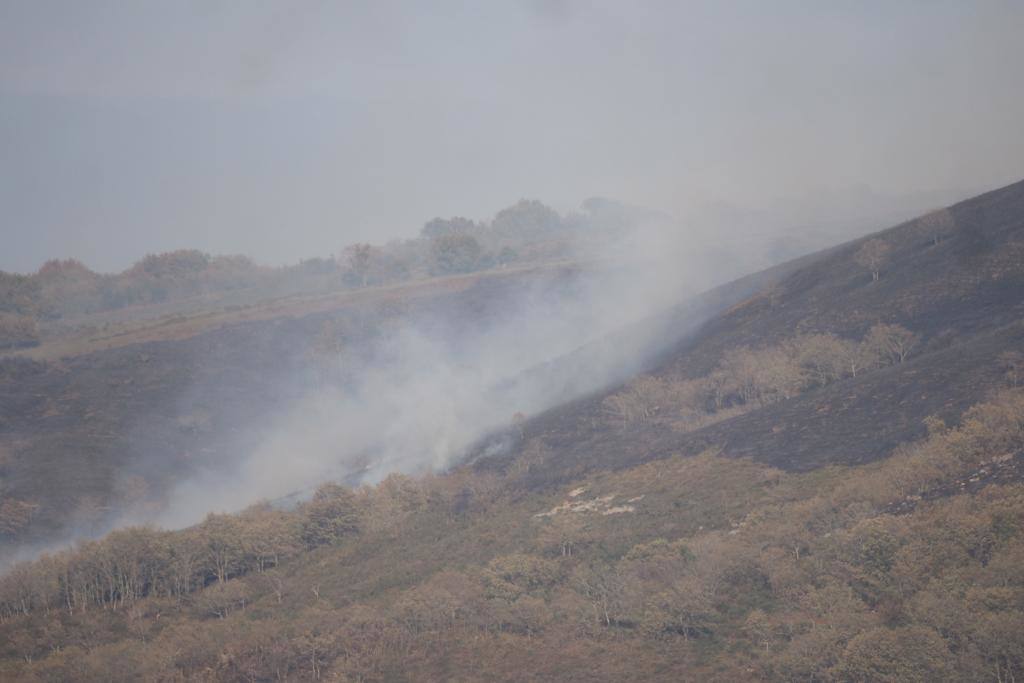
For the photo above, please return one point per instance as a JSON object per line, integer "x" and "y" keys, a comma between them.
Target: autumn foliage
{"x": 746, "y": 378}
{"x": 715, "y": 567}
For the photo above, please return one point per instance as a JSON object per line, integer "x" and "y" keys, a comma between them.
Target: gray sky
{"x": 288, "y": 129}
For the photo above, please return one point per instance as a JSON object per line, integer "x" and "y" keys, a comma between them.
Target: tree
{"x": 184, "y": 567}
{"x": 835, "y": 607}
{"x": 454, "y": 253}
{"x": 759, "y": 627}
{"x": 937, "y": 224}
{"x": 902, "y": 655}
{"x": 172, "y": 264}
{"x": 222, "y": 536}
{"x": 685, "y": 607}
{"x": 509, "y": 576}
{"x": 889, "y": 344}
{"x": 330, "y": 516}
{"x": 825, "y": 357}
{"x": 640, "y": 401}
{"x": 563, "y": 534}
{"x": 19, "y": 294}
{"x": 519, "y": 424}
{"x": 526, "y": 220}
{"x": 1012, "y": 363}
{"x": 603, "y": 588}
{"x": 742, "y": 367}
{"x": 873, "y": 254}
{"x": 440, "y": 227}
{"x": 358, "y": 258}
{"x": 858, "y": 357}
{"x": 779, "y": 375}
{"x": 69, "y": 286}
{"x": 220, "y": 599}
{"x": 765, "y": 375}
{"x": 389, "y": 504}
{"x": 268, "y": 536}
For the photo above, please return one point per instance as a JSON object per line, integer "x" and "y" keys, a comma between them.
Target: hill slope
{"x": 822, "y": 482}
{"x": 962, "y": 295}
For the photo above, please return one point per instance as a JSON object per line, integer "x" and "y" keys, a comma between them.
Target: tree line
{"x": 526, "y": 231}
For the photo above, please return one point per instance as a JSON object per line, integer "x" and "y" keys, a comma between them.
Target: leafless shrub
{"x": 937, "y": 224}
{"x": 873, "y": 254}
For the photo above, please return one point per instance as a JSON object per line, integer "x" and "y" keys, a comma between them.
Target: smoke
{"x": 438, "y": 380}
{"x": 424, "y": 382}
{"x": 439, "y": 377}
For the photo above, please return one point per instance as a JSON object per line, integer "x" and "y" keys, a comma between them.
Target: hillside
{"x": 961, "y": 292}
{"x": 814, "y": 475}
{"x": 104, "y": 422}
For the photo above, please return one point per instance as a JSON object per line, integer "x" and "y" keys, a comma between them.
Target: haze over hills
{"x": 316, "y": 364}
{"x": 176, "y": 387}
{"x": 962, "y": 299}
{"x": 812, "y": 472}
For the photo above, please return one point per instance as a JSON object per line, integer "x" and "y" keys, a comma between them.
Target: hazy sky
{"x": 288, "y": 129}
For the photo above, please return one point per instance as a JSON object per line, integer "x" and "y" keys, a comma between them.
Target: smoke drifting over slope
{"x": 287, "y": 130}
{"x": 437, "y": 381}
{"x": 257, "y": 410}
{"x": 434, "y": 383}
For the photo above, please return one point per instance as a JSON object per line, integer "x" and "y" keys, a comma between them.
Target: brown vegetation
{"x": 601, "y": 548}
{"x": 726, "y": 570}
{"x": 747, "y": 378}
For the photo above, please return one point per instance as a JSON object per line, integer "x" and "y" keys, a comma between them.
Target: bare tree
{"x": 358, "y": 257}
{"x": 824, "y": 357}
{"x": 603, "y": 588}
{"x": 760, "y": 628}
{"x": 890, "y": 344}
{"x": 519, "y": 424}
{"x": 937, "y": 224}
{"x": 1012, "y": 363}
{"x": 640, "y": 401}
{"x": 873, "y": 255}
